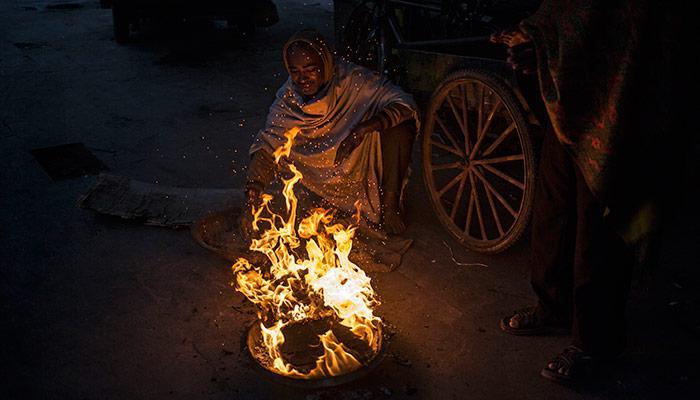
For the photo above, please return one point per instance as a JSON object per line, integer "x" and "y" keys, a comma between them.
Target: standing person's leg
{"x": 602, "y": 275}
{"x": 553, "y": 230}
{"x": 397, "y": 143}
{"x": 602, "y": 272}
{"x": 552, "y": 244}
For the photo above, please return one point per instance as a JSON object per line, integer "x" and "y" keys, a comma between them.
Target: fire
{"x": 286, "y": 149}
{"x": 310, "y": 277}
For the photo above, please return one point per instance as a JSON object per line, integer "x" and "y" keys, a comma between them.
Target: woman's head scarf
{"x": 316, "y": 42}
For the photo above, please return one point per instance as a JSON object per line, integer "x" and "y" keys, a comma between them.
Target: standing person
{"x": 356, "y": 133}
{"x": 601, "y": 67}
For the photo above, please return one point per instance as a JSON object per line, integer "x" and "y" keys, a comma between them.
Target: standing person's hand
{"x": 521, "y": 49}
{"x": 355, "y": 138}
{"x": 510, "y": 37}
{"x": 522, "y": 58}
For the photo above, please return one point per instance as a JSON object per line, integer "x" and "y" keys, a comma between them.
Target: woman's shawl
{"x": 354, "y": 94}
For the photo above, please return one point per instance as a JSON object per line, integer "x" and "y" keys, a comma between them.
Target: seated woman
{"x": 356, "y": 134}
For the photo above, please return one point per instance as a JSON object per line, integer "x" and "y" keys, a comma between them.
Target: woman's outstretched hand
{"x": 355, "y": 138}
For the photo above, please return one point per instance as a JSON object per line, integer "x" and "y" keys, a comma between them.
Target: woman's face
{"x": 305, "y": 69}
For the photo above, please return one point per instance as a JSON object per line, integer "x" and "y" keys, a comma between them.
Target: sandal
{"x": 571, "y": 366}
{"x": 530, "y": 322}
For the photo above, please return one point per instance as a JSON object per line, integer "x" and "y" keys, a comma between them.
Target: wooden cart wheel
{"x": 478, "y": 163}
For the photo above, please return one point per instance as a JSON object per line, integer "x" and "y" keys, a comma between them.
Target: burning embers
{"x": 315, "y": 306}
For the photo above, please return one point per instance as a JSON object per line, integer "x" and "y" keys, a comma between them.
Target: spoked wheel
{"x": 478, "y": 163}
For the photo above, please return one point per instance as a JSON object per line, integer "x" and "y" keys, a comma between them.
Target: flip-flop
{"x": 579, "y": 367}
{"x": 532, "y": 324}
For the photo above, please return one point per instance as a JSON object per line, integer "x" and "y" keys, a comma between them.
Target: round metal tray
{"x": 325, "y": 382}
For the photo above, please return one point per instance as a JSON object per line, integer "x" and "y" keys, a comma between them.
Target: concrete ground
{"x": 95, "y": 307}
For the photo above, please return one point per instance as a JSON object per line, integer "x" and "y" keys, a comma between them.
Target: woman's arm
{"x": 393, "y": 115}
{"x": 261, "y": 171}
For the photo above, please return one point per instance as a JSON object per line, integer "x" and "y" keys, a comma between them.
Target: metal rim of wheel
{"x": 478, "y": 162}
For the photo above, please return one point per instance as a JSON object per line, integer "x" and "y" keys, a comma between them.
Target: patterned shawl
{"x": 601, "y": 66}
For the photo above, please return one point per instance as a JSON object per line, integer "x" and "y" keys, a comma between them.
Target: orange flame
{"x": 286, "y": 149}
{"x": 323, "y": 283}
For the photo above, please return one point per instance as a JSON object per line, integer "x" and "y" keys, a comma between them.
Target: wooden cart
{"x": 479, "y": 119}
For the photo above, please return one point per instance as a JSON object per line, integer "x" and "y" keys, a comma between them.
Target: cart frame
{"x": 481, "y": 120}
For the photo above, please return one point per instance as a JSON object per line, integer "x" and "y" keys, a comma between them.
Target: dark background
{"x": 97, "y": 307}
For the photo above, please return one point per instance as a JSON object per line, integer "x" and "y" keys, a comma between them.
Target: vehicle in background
{"x": 481, "y": 124}
{"x": 245, "y": 15}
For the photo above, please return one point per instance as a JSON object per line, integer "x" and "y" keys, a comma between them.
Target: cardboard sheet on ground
{"x": 156, "y": 204}
{"x": 213, "y": 217}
